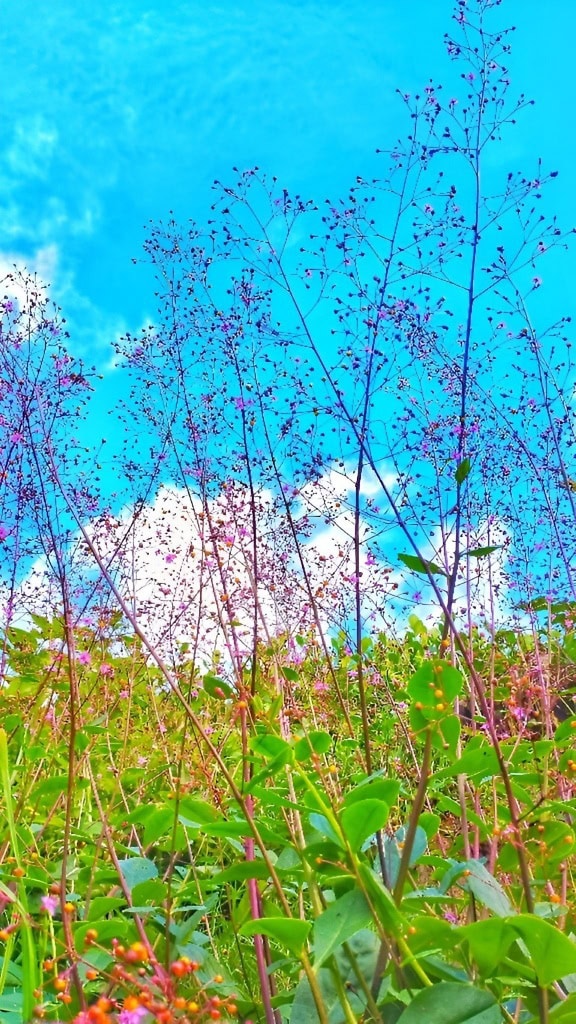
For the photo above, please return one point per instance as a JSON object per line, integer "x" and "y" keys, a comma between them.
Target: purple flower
{"x": 134, "y": 1016}
{"x": 49, "y": 904}
{"x": 84, "y": 657}
{"x": 4, "y": 532}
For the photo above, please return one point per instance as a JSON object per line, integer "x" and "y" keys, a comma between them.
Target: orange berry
{"x": 179, "y": 969}
{"x": 90, "y": 937}
{"x": 91, "y": 974}
{"x": 18, "y": 872}
{"x": 60, "y": 984}
{"x": 139, "y": 950}
{"x": 131, "y": 1003}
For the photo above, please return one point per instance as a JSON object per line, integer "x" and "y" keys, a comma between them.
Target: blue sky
{"x": 115, "y": 113}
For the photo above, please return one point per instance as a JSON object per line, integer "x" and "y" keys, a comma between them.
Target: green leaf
{"x": 553, "y": 953}
{"x": 564, "y": 1012}
{"x": 462, "y": 471}
{"x": 196, "y": 812}
{"x": 393, "y": 850}
{"x": 290, "y": 674}
{"x": 450, "y": 1003}
{"x": 479, "y": 763}
{"x": 312, "y": 743}
{"x": 101, "y": 906}
{"x": 486, "y": 888}
{"x": 215, "y": 686}
{"x": 339, "y": 922}
{"x": 435, "y": 674}
{"x": 481, "y": 552}
{"x": 137, "y": 869}
{"x": 290, "y": 932}
{"x": 269, "y": 745}
{"x": 149, "y": 894}
{"x": 304, "y": 1008}
{"x": 321, "y": 824}
{"x": 421, "y": 565}
{"x": 489, "y": 942}
{"x": 388, "y": 913}
{"x": 241, "y": 871}
{"x": 362, "y": 820}
{"x": 385, "y": 790}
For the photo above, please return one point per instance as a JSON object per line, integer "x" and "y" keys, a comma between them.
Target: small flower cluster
{"x": 137, "y": 989}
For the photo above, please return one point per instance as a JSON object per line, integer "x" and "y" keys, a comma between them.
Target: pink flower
{"x": 49, "y": 904}
{"x": 4, "y": 532}
{"x": 84, "y": 657}
{"x": 106, "y": 670}
{"x": 132, "y": 1016}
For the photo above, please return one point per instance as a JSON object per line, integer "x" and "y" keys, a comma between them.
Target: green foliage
{"x": 142, "y": 860}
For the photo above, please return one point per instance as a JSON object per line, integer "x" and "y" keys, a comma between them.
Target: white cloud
{"x": 194, "y": 573}
{"x": 32, "y": 147}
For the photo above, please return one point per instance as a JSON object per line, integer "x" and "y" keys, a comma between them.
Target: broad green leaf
{"x": 269, "y": 745}
{"x": 362, "y": 820}
{"x": 553, "y": 953}
{"x": 339, "y": 922}
{"x": 435, "y": 675}
{"x": 564, "y": 1012}
{"x": 217, "y": 687}
{"x": 462, "y": 471}
{"x": 304, "y": 1010}
{"x": 150, "y": 893}
{"x": 421, "y": 565}
{"x": 240, "y": 872}
{"x": 137, "y": 869}
{"x": 388, "y": 913}
{"x": 312, "y": 743}
{"x": 489, "y": 942}
{"x": 431, "y": 934}
{"x": 386, "y": 790}
{"x": 486, "y": 889}
{"x": 290, "y": 674}
{"x": 290, "y": 932}
{"x": 197, "y": 812}
{"x": 481, "y": 552}
{"x": 479, "y": 763}
{"x": 450, "y": 1003}
{"x": 393, "y": 846}
{"x": 101, "y": 906}
{"x": 322, "y": 825}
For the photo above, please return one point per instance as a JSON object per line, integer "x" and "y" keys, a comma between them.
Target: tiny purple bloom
{"x": 49, "y": 904}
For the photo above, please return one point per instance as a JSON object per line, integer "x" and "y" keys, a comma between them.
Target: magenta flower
{"x": 134, "y": 1016}
{"x": 49, "y": 904}
{"x": 4, "y": 532}
{"x": 106, "y": 670}
{"x": 84, "y": 657}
